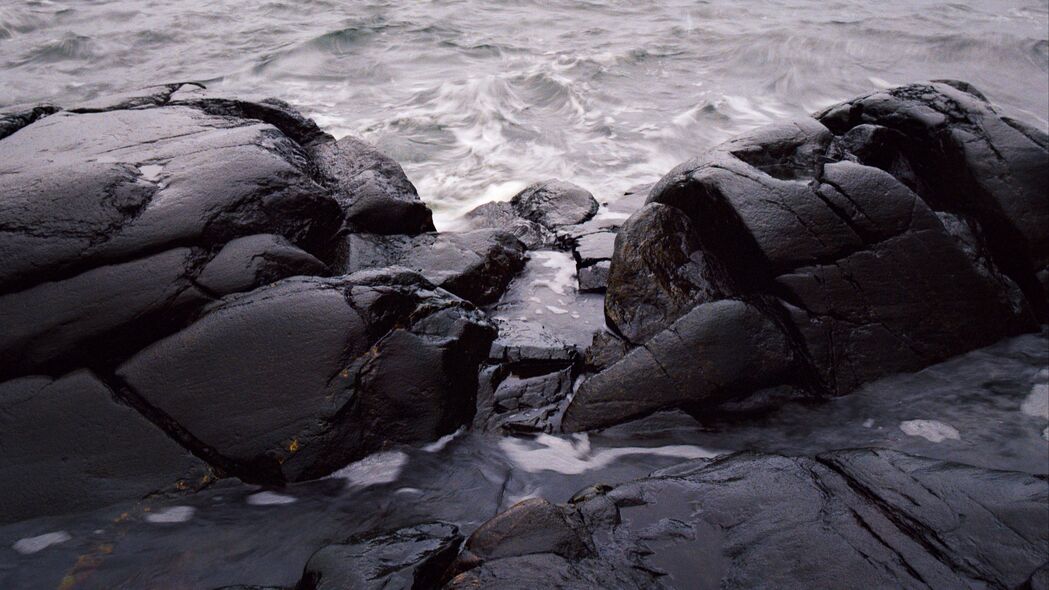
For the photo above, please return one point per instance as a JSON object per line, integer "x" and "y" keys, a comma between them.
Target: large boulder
{"x": 554, "y": 203}
{"x": 293, "y": 380}
{"x": 114, "y": 210}
{"x": 863, "y": 261}
{"x": 758, "y": 521}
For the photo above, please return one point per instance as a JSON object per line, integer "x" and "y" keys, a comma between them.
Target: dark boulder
{"x": 293, "y": 380}
{"x": 528, "y": 527}
{"x": 553, "y": 203}
{"x": 476, "y": 265}
{"x": 962, "y": 156}
{"x": 501, "y": 215}
{"x": 659, "y": 273}
{"x": 714, "y": 352}
{"x": 69, "y": 445}
{"x": 858, "y": 237}
{"x": 412, "y": 558}
{"x": 373, "y": 189}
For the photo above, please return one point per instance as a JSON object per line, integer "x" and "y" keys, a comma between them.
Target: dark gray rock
{"x": 714, "y": 352}
{"x": 225, "y": 381}
{"x": 476, "y": 265}
{"x": 594, "y": 278}
{"x": 501, "y": 215}
{"x": 962, "y": 156}
{"x": 761, "y": 521}
{"x": 412, "y": 558}
{"x": 373, "y": 190}
{"x": 659, "y": 272}
{"x": 881, "y": 242}
{"x": 69, "y": 445}
{"x": 530, "y": 526}
{"x": 553, "y": 203}
{"x": 245, "y": 263}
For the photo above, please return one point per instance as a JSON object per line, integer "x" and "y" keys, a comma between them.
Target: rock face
{"x": 68, "y": 445}
{"x": 761, "y": 521}
{"x": 842, "y": 227}
{"x": 166, "y": 250}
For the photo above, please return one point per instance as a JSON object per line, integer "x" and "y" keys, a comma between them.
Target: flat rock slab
{"x": 760, "y": 521}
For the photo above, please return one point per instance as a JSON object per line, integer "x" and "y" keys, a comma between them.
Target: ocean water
{"x": 477, "y": 99}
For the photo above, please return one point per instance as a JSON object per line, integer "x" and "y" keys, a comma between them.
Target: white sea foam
{"x": 172, "y": 514}
{"x": 563, "y": 280}
{"x": 270, "y": 499}
{"x": 930, "y": 430}
{"x": 32, "y": 545}
{"x": 573, "y": 455}
{"x": 1037, "y": 402}
{"x": 376, "y": 469}
{"x": 442, "y": 442}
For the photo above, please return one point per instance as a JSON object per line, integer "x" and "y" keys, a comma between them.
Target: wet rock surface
{"x": 477, "y": 265}
{"x": 865, "y": 261}
{"x": 235, "y": 349}
{"x": 148, "y": 237}
{"x": 751, "y": 520}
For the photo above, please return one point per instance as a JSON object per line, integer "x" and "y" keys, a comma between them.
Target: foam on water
{"x": 171, "y": 514}
{"x": 573, "y": 455}
{"x": 268, "y": 498}
{"x": 376, "y": 469}
{"x": 930, "y": 430}
{"x": 31, "y": 545}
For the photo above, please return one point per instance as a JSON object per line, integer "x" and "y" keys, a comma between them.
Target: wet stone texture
{"x": 230, "y": 342}
{"x": 841, "y": 230}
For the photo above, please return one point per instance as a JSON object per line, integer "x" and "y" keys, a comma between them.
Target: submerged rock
{"x": 866, "y": 259}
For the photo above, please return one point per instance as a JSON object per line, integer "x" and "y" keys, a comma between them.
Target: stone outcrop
{"x": 175, "y": 264}
{"x": 847, "y": 231}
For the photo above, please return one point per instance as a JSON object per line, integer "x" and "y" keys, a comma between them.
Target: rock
{"x": 605, "y": 350}
{"x": 751, "y": 520}
{"x": 594, "y": 279}
{"x": 476, "y": 265}
{"x": 714, "y": 352}
{"x": 14, "y": 118}
{"x": 69, "y": 446}
{"x": 553, "y": 203}
{"x": 964, "y": 157}
{"x": 412, "y": 557}
{"x": 373, "y": 189}
{"x": 501, "y": 215}
{"x": 247, "y": 262}
{"x": 360, "y": 354}
{"x": 870, "y": 266}
{"x": 659, "y": 272}
{"x": 528, "y": 527}
{"x": 522, "y": 398}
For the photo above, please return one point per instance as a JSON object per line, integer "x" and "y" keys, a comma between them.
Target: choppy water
{"x": 477, "y": 99}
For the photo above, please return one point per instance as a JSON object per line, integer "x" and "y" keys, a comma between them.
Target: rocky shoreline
{"x": 200, "y": 289}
